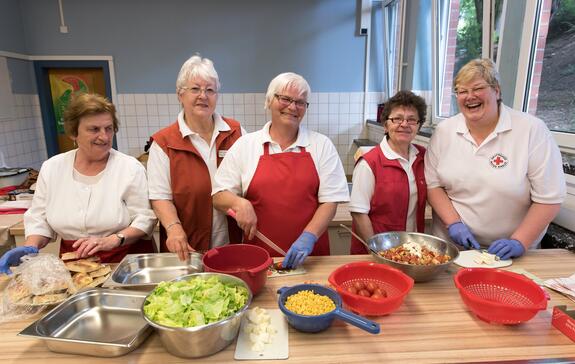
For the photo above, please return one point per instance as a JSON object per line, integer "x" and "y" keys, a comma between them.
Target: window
{"x": 550, "y": 94}
{"x": 393, "y": 14}
{"x": 533, "y": 45}
{"x": 459, "y": 38}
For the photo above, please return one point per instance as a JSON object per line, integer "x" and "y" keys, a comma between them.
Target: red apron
{"x": 117, "y": 254}
{"x": 283, "y": 192}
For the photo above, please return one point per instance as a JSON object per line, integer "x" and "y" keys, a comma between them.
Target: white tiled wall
{"x": 22, "y": 141}
{"x": 337, "y": 115}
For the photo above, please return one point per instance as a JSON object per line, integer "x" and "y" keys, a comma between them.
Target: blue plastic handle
{"x": 370, "y": 326}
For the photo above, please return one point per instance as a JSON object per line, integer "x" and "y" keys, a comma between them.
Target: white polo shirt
{"x": 493, "y": 185}
{"x": 159, "y": 179}
{"x": 74, "y": 209}
{"x": 364, "y": 184}
{"x": 238, "y": 167}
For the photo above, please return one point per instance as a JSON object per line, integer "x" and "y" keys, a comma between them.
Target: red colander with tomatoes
{"x": 369, "y": 288}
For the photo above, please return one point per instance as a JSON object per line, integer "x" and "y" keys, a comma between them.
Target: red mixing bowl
{"x": 245, "y": 261}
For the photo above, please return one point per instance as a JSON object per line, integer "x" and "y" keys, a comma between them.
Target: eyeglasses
{"x": 209, "y": 92}
{"x": 463, "y": 93}
{"x": 399, "y": 120}
{"x": 286, "y": 101}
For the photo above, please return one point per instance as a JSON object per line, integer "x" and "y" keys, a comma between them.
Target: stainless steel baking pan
{"x": 98, "y": 322}
{"x": 145, "y": 271}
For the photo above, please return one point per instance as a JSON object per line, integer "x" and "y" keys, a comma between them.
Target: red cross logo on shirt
{"x": 498, "y": 161}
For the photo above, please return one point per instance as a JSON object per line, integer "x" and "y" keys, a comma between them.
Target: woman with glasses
{"x": 182, "y": 163}
{"x": 283, "y": 180}
{"x": 494, "y": 174}
{"x": 389, "y": 190}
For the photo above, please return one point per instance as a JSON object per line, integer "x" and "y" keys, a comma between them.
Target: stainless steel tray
{"x": 98, "y": 322}
{"x": 145, "y": 271}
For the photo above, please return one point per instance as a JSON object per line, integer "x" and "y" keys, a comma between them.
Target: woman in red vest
{"x": 183, "y": 160}
{"x": 284, "y": 180}
{"x": 389, "y": 189}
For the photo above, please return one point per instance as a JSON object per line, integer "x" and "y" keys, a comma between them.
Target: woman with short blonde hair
{"x": 494, "y": 175}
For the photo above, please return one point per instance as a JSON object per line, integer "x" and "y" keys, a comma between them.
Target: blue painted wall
{"x": 376, "y": 58}
{"x": 249, "y": 41}
{"x": 22, "y": 76}
{"x": 12, "y": 39}
{"x": 11, "y": 28}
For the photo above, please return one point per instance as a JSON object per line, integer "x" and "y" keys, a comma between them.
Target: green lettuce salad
{"x": 195, "y": 302}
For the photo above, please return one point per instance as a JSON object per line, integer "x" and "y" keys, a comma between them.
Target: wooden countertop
{"x": 432, "y": 325}
{"x": 17, "y": 229}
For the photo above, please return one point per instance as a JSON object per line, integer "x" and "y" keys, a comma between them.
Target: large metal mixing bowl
{"x": 194, "y": 342}
{"x": 419, "y": 273}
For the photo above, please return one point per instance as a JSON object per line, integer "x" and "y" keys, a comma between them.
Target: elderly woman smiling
{"x": 284, "y": 180}
{"x": 183, "y": 161}
{"x": 94, "y": 197}
{"x": 494, "y": 175}
{"x": 389, "y": 190}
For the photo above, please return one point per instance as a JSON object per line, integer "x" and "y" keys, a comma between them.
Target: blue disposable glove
{"x": 460, "y": 233}
{"x": 299, "y": 250}
{"x": 12, "y": 257}
{"x": 506, "y": 248}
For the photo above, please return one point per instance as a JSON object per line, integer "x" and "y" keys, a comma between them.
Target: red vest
{"x": 390, "y": 200}
{"x": 191, "y": 184}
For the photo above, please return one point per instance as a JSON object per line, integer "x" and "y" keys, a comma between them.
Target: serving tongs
{"x": 262, "y": 237}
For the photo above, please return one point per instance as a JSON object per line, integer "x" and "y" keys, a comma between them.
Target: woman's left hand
{"x": 86, "y": 247}
{"x": 507, "y": 248}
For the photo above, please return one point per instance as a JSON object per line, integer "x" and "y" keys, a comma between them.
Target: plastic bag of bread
{"x": 39, "y": 281}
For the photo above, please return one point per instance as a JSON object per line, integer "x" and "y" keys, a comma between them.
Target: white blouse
{"x": 72, "y": 209}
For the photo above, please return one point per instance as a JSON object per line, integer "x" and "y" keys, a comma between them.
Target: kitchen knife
{"x": 262, "y": 237}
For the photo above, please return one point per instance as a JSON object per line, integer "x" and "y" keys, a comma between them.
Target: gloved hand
{"x": 460, "y": 233}
{"x": 507, "y": 248}
{"x": 12, "y": 257}
{"x": 299, "y": 250}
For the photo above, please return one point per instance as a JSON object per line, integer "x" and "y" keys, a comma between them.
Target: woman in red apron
{"x": 93, "y": 196}
{"x": 283, "y": 180}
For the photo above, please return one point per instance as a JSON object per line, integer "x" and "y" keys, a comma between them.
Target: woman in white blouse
{"x": 94, "y": 197}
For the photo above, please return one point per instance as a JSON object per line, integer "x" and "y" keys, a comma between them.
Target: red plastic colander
{"x": 498, "y": 296}
{"x": 396, "y": 284}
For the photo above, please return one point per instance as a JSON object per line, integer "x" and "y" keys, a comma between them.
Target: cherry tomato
{"x": 381, "y": 287}
{"x": 370, "y": 286}
{"x": 352, "y": 289}
{"x": 364, "y": 293}
{"x": 379, "y": 292}
{"x": 359, "y": 285}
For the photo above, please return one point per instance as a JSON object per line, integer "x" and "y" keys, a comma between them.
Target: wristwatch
{"x": 122, "y": 238}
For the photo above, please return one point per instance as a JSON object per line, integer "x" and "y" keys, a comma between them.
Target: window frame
{"x": 393, "y": 68}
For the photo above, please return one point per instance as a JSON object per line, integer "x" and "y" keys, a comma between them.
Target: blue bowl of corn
{"x": 312, "y": 308}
